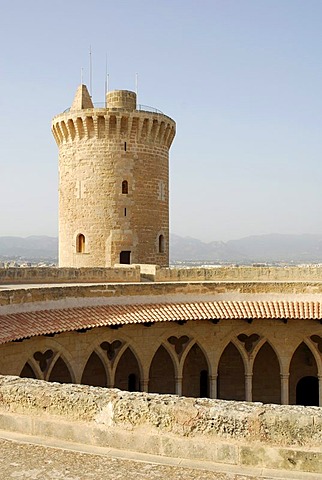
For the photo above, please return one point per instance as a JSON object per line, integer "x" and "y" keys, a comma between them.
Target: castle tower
{"x": 113, "y": 182}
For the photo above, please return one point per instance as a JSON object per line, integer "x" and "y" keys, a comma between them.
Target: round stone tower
{"x": 113, "y": 182}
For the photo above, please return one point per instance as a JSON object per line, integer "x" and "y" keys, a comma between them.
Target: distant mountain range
{"x": 29, "y": 248}
{"x": 253, "y": 249}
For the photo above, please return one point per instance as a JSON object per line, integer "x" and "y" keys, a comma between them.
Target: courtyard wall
{"x": 234, "y": 433}
{"x": 44, "y": 275}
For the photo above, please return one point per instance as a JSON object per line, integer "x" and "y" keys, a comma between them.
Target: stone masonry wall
{"x": 68, "y": 275}
{"x": 233, "y": 273}
{"x": 131, "y": 293}
{"x": 153, "y": 273}
{"x": 235, "y": 433}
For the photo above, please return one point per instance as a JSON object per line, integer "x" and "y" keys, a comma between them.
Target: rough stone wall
{"x": 35, "y": 275}
{"x": 234, "y": 433}
{"x": 130, "y": 293}
{"x": 99, "y": 149}
{"x": 243, "y": 273}
{"x": 122, "y": 273}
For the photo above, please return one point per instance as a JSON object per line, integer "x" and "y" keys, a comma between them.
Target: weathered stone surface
{"x": 36, "y": 462}
{"x": 236, "y": 433}
{"x": 153, "y": 292}
{"x": 243, "y": 273}
{"x": 34, "y": 275}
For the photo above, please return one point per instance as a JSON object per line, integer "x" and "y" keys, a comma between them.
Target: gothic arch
{"x": 231, "y": 337}
{"x": 234, "y": 341}
{"x": 33, "y": 364}
{"x": 266, "y": 374}
{"x": 128, "y": 342}
{"x": 95, "y": 372}
{"x": 60, "y": 368}
{"x": 317, "y": 357}
{"x": 194, "y": 366}
{"x": 59, "y": 351}
{"x": 162, "y": 372}
{"x": 164, "y": 343}
{"x": 28, "y": 371}
{"x": 94, "y": 346}
{"x": 303, "y": 364}
{"x": 231, "y": 374}
{"x": 186, "y": 353}
{"x": 257, "y": 348}
{"x": 127, "y": 367}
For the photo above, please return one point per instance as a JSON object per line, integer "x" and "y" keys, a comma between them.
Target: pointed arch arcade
{"x": 162, "y": 372}
{"x": 127, "y": 373}
{"x": 231, "y": 374}
{"x": 195, "y": 378}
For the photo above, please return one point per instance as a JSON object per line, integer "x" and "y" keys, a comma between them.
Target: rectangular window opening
{"x": 125, "y": 146}
{"x": 124, "y": 212}
{"x": 125, "y": 257}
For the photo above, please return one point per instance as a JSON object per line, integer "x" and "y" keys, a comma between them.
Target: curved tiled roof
{"x": 18, "y": 326}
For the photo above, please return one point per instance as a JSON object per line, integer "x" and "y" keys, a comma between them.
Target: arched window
{"x": 80, "y": 243}
{"x": 161, "y": 244}
{"x": 125, "y": 187}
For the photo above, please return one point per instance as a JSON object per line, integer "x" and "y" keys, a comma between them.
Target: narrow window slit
{"x": 125, "y": 187}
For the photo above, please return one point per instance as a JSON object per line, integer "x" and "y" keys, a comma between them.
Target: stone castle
{"x": 115, "y": 315}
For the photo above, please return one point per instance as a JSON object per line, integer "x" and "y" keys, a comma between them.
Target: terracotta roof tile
{"x": 28, "y": 324}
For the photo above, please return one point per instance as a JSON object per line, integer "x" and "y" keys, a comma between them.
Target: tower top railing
{"x": 142, "y": 108}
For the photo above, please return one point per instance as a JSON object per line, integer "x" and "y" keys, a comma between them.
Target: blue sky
{"x": 242, "y": 79}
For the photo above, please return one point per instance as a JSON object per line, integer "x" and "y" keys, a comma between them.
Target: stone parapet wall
{"x": 42, "y": 275}
{"x": 235, "y": 433}
{"x": 233, "y": 273}
{"x": 154, "y": 273}
{"x": 14, "y": 299}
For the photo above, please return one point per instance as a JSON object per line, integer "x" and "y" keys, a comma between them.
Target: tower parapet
{"x": 113, "y": 182}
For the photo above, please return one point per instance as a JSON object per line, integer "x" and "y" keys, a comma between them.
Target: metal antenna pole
{"x": 105, "y": 79}
{"x": 81, "y": 75}
{"x": 90, "y": 70}
{"x": 136, "y": 86}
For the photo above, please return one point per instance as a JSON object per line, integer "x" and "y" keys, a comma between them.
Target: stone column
{"x": 320, "y": 390}
{"x": 213, "y": 386}
{"x": 145, "y": 386}
{"x": 285, "y": 396}
{"x": 249, "y": 387}
{"x": 178, "y": 385}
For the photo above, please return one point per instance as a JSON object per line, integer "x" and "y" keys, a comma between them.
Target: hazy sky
{"x": 242, "y": 79}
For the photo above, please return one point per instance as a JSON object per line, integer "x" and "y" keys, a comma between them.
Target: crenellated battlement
{"x": 105, "y": 123}
{"x": 121, "y": 118}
